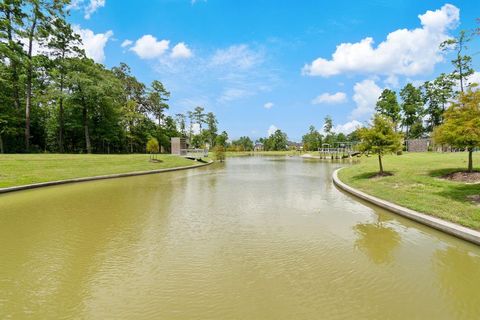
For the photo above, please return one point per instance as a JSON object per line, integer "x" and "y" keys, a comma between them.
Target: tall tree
{"x": 63, "y": 44}
{"x": 157, "y": 100}
{"x": 180, "y": 118}
{"x": 221, "y": 140}
{"x": 277, "y": 141}
{"x": 412, "y": 107}
{"x": 328, "y": 125}
{"x": 462, "y": 63}
{"x": 461, "y": 127}
{"x": 199, "y": 116}
{"x": 243, "y": 144}
{"x": 212, "y": 129}
{"x": 436, "y": 95}
{"x": 387, "y": 105}
{"x": 312, "y": 140}
{"x": 10, "y": 47}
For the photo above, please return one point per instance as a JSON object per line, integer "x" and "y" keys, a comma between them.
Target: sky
{"x": 262, "y": 65}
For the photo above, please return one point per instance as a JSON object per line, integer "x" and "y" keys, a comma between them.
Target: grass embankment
{"x": 417, "y": 184}
{"x": 22, "y": 169}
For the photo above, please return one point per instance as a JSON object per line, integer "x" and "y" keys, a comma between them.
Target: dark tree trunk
{"x": 61, "y": 119}
{"x": 88, "y": 145}
{"x": 61, "y": 122}
{"x": 1, "y": 144}
{"x": 470, "y": 160}
{"x": 28, "y": 100}
{"x": 380, "y": 163}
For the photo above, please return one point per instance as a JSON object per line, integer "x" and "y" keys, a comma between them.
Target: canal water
{"x": 254, "y": 238}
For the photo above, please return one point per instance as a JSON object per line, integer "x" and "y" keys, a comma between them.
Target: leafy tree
{"x": 133, "y": 102}
{"x": 157, "y": 100}
{"x": 39, "y": 16}
{"x": 462, "y": 63}
{"x": 10, "y": 47}
{"x": 221, "y": 140}
{"x": 212, "y": 129}
{"x": 328, "y": 125}
{"x": 412, "y": 107}
{"x": 380, "y": 138}
{"x": 312, "y": 140}
{"x": 219, "y": 152}
{"x": 461, "y": 127}
{"x": 199, "y": 116}
{"x": 387, "y": 105}
{"x": 152, "y": 147}
{"x": 63, "y": 43}
{"x": 436, "y": 95}
{"x": 278, "y": 141}
{"x": 181, "y": 123}
{"x": 243, "y": 144}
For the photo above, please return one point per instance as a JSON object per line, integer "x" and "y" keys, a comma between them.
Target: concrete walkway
{"x": 436, "y": 223}
{"x": 109, "y": 176}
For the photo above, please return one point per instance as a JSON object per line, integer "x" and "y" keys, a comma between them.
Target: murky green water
{"x": 256, "y": 238}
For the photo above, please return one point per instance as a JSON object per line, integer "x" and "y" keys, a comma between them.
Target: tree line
{"x": 55, "y": 99}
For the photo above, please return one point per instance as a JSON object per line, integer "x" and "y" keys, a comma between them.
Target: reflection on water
{"x": 248, "y": 239}
{"x": 377, "y": 240}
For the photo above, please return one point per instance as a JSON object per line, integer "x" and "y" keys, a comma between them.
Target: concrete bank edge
{"x": 103, "y": 177}
{"x": 451, "y": 228}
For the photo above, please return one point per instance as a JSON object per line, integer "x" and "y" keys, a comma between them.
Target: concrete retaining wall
{"x": 436, "y": 223}
{"x": 109, "y": 176}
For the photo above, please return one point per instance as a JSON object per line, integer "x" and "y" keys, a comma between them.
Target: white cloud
{"x": 327, "y": 98}
{"x": 271, "y": 130}
{"x": 93, "y": 6}
{"x": 365, "y": 95}
{"x": 231, "y": 94}
{"x": 126, "y": 43}
{"x": 181, "y": 51}
{"x": 236, "y": 56}
{"x": 148, "y": 47}
{"x": 348, "y": 127}
{"x": 89, "y": 8}
{"x": 404, "y": 52}
{"x": 268, "y": 105}
{"x": 392, "y": 81}
{"x": 94, "y": 43}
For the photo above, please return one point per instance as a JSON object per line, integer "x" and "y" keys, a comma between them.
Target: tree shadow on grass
{"x": 371, "y": 175}
{"x": 439, "y": 173}
{"x": 456, "y": 190}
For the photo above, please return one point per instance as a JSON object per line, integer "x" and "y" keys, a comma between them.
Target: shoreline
{"x": 450, "y": 228}
{"x": 101, "y": 177}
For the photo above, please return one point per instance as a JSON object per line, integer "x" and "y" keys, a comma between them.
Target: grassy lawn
{"x": 21, "y": 169}
{"x": 416, "y": 184}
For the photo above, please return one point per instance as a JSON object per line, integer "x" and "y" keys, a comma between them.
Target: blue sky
{"x": 268, "y": 64}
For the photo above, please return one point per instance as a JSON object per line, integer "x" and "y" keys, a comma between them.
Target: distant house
{"x": 418, "y": 145}
{"x": 294, "y": 146}
{"x": 258, "y": 147}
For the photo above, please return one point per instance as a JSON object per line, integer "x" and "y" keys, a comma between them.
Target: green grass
{"x": 22, "y": 169}
{"x": 416, "y": 184}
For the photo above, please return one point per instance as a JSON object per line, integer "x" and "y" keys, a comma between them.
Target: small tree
{"x": 153, "y": 148}
{"x": 380, "y": 138}
{"x": 461, "y": 126}
{"x": 219, "y": 151}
